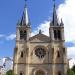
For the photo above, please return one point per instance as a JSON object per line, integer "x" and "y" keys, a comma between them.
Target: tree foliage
{"x": 70, "y": 72}
{"x": 73, "y": 68}
{"x": 10, "y": 72}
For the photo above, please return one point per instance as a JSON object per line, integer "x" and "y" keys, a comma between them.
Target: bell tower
{"x": 59, "y": 52}
{"x": 23, "y": 27}
{"x": 56, "y": 29}
{"x": 23, "y": 34}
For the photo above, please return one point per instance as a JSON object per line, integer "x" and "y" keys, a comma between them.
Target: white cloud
{"x": 11, "y": 37}
{"x": 66, "y": 11}
{"x": 71, "y": 63}
{"x": 71, "y": 52}
{"x": 44, "y": 27}
{"x": 1, "y": 35}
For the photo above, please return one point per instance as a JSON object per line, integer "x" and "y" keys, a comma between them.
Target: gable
{"x": 39, "y": 38}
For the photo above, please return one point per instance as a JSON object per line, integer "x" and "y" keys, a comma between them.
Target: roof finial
{"x": 62, "y": 24}
{"x": 40, "y": 31}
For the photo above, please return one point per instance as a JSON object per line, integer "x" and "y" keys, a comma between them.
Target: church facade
{"x": 40, "y": 54}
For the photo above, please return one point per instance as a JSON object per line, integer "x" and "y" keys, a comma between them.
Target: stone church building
{"x": 40, "y": 54}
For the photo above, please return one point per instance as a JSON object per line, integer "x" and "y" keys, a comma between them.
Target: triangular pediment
{"x": 39, "y": 38}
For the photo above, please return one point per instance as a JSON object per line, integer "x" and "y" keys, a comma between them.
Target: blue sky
{"x": 12, "y": 10}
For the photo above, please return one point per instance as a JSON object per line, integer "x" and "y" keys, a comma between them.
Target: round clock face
{"x": 40, "y": 52}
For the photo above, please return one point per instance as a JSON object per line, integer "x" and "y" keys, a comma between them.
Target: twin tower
{"x": 40, "y": 54}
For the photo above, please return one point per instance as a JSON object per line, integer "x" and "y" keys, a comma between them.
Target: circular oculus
{"x": 40, "y": 52}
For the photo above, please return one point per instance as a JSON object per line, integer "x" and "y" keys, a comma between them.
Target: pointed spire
{"x": 55, "y": 20}
{"x": 25, "y": 17}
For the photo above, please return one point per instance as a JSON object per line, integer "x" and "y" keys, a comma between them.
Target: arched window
{"x": 25, "y": 34}
{"x": 55, "y": 34}
{"x": 52, "y": 50}
{"x": 21, "y": 34}
{"x": 59, "y": 34}
{"x": 21, "y": 73}
{"x": 22, "y": 54}
{"x": 64, "y": 50}
{"x": 58, "y": 54}
{"x": 59, "y": 73}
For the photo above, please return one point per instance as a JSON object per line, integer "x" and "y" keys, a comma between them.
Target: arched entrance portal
{"x": 39, "y": 72}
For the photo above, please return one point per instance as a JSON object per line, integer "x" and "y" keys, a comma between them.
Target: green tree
{"x": 70, "y": 72}
{"x": 10, "y": 72}
{"x": 73, "y": 68}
